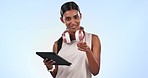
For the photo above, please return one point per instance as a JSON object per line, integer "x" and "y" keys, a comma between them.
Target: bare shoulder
{"x": 95, "y": 38}
{"x": 55, "y": 47}
{"x": 96, "y": 44}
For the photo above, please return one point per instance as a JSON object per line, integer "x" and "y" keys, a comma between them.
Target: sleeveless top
{"x": 79, "y": 67}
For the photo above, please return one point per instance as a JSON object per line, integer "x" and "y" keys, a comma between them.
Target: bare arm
{"x": 49, "y": 63}
{"x": 54, "y": 72}
{"x": 93, "y": 54}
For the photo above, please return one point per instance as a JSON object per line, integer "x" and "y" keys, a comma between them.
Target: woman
{"x": 84, "y": 54}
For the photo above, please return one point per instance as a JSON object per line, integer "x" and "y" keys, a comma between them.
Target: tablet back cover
{"x": 50, "y": 55}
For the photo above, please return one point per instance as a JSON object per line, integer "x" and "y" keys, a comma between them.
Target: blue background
{"x": 27, "y": 26}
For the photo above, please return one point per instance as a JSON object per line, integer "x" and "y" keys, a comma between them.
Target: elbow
{"x": 95, "y": 73}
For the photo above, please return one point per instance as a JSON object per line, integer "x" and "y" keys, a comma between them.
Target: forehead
{"x": 70, "y": 13}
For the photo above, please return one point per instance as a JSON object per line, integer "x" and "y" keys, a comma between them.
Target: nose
{"x": 73, "y": 21}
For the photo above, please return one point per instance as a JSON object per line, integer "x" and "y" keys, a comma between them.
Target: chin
{"x": 74, "y": 29}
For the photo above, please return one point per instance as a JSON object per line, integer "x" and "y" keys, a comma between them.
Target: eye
{"x": 68, "y": 18}
{"x": 76, "y": 16}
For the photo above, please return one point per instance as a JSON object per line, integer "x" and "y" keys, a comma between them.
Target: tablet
{"x": 50, "y": 55}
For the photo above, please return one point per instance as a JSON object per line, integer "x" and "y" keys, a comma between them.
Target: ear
{"x": 62, "y": 19}
{"x": 80, "y": 16}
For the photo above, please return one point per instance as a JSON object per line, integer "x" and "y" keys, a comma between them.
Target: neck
{"x": 72, "y": 36}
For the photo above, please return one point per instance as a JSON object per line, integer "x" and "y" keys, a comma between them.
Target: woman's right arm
{"x": 55, "y": 49}
{"x": 49, "y": 63}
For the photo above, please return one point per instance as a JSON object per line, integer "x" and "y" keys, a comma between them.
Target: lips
{"x": 72, "y": 27}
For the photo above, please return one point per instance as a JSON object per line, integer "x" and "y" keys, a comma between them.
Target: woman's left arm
{"x": 93, "y": 54}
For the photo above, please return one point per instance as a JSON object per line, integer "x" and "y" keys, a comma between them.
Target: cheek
{"x": 78, "y": 21}
{"x": 67, "y": 23}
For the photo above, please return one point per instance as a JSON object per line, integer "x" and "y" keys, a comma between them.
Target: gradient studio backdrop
{"x": 27, "y": 26}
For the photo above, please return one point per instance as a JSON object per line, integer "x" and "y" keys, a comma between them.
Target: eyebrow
{"x": 72, "y": 16}
{"x": 76, "y": 15}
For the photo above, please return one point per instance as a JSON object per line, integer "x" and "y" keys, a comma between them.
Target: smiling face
{"x": 71, "y": 19}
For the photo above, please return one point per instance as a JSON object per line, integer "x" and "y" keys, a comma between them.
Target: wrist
{"x": 87, "y": 50}
{"x": 51, "y": 70}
